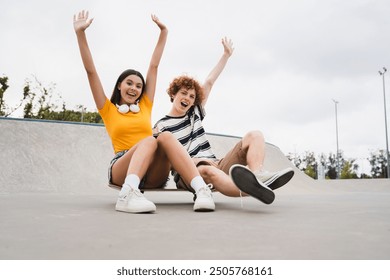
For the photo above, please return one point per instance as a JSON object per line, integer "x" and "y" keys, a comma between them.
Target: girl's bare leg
{"x": 177, "y": 156}
{"x": 171, "y": 153}
{"x": 158, "y": 171}
{"x": 128, "y": 172}
{"x": 135, "y": 161}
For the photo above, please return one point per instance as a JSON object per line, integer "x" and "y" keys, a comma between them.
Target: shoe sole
{"x": 135, "y": 211}
{"x": 275, "y": 183}
{"x": 246, "y": 181}
{"x": 204, "y": 208}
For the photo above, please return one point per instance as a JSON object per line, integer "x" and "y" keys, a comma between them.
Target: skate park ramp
{"x": 55, "y": 204}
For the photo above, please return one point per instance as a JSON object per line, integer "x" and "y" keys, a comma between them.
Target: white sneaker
{"x": 275, "y": 180}
{"x": 204, "y": 199}
{"x": 134, "y": 202}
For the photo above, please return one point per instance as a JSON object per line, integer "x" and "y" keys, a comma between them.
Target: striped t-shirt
{"x": 188, "y": 129}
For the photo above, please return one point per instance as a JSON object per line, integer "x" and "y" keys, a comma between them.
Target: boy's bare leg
{"x": 253, "y": 142}
{"x": 220, "y": 180}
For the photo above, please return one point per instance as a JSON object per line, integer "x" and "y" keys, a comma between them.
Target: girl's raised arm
{"x": 217, "y": 70}
{"x": 151, "y": 76}
{"x": 80, "y": 24}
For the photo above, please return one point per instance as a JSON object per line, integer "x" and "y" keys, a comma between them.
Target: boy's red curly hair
{"x": 188, "y": 83}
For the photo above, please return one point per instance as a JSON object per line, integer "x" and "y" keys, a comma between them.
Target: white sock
{"x": 198, "y": 183}
{"x": 131, "y": 182}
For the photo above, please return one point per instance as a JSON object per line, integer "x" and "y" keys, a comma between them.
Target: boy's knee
{"x": 207, "y": 171}
{"x": 254, "y": 135}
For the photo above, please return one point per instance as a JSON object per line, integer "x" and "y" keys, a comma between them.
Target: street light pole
{"x": 382, "y": 73}
{"x": 337, "y": 142}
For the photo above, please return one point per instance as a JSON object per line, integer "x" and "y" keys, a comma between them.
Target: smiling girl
{"x": 140, "y": 161}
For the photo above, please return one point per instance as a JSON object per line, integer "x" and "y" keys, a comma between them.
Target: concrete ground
{"x": 55, "y": 204}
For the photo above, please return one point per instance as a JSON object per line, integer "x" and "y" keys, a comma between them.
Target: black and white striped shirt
{"x": 189, "y": 130}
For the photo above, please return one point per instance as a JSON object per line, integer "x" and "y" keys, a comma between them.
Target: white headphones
{"x": 124, "y": 108}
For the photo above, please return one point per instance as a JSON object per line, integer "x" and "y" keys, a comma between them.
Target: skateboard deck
{"x": 164, "y": 189}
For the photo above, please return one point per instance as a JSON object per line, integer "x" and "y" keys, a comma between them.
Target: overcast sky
{"x": 291, "y": 59}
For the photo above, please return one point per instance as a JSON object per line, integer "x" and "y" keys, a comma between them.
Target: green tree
{"x": 41, "y": 101}
{"x": 310, "y": 171}
{"x": 349, "y": 170}
{"x": 295, "y": 159}
{"x": 311, "y": 164}
{"x": 5, "y": 110}
{"x": 331, "y": 166}
{"x": 308, "y": 163}
{"x": 3, "y": 88}
{"x": 378, "y": 162}
{"x": 39, "y": 98}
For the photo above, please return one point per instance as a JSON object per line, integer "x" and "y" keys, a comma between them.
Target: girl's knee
{"x": 164, "y": 137}
{"x": 149, "y": 142}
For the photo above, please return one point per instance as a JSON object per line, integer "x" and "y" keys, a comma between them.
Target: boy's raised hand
{"x": 81, "y": 21}
{"x": 158, "y": 22}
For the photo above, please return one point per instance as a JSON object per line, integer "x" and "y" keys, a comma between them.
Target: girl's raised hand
{"x": 158, "y": 22}
{"x": 227, "y": 46}
{"x": 81, "y": 21}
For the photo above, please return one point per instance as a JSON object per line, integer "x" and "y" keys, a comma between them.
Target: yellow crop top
{"x": 126, "y": 130}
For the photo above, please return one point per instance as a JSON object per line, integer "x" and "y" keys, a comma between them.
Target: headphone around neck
{"x": 124, "y": 108}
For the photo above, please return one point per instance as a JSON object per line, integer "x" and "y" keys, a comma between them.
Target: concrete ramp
{"x": 53, "y": 157}
{"x": 73, "y": 157}
{"x": 55, "y": 204}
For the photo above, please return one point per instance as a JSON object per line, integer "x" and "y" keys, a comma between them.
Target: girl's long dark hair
{"x": 116, "y": 94}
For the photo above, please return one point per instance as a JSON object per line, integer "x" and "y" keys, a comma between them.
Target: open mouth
{"x": 131, "y": 94}
{"x": 184, "y": 104}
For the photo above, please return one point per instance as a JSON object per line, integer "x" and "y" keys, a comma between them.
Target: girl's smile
{"x": 131, "y": 89}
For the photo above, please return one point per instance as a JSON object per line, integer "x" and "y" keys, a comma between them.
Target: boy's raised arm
{"x": 217, "y": 70}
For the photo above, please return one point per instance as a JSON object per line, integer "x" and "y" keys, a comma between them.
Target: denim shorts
{"x": 117, "y": 156}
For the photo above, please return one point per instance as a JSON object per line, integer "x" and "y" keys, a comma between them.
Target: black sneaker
{"x": 247, "y": 182}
